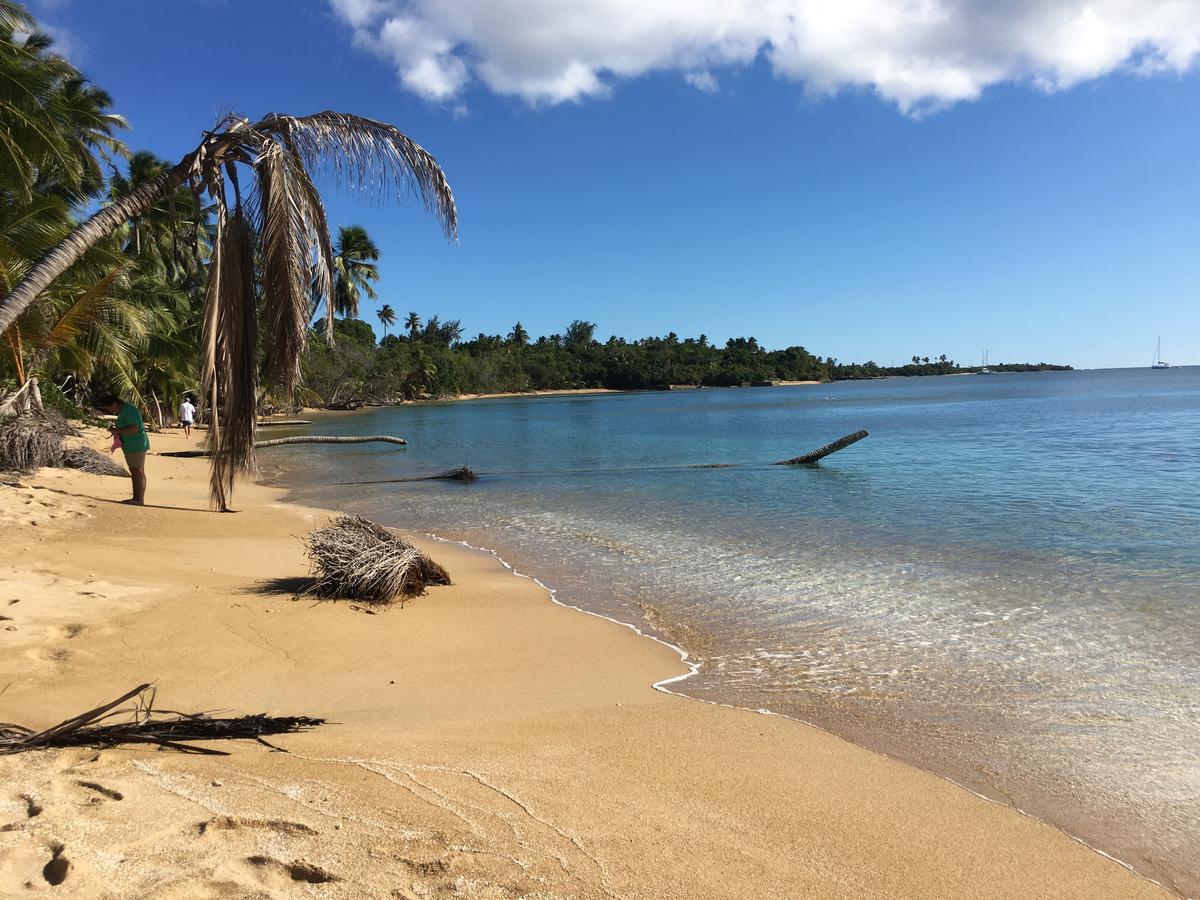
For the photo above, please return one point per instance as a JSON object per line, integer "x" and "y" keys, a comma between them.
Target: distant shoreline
{"x": 549, "y": 392}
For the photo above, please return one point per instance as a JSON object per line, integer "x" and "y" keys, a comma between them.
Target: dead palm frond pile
{"x": 111, "y": 725}
{"x": 34, "y": 439}
{"x": 354, "y": 559}
{"x": 86, "y": 459}
{"x": 31, "y": 440}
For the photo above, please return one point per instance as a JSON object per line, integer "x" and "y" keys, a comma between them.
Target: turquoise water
{"x": 1001, "y": 584}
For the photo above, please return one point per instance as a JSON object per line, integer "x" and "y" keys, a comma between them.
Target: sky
{"x": 870, "y": 179}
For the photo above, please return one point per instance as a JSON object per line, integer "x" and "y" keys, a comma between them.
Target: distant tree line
{"x": 430, "y": 358}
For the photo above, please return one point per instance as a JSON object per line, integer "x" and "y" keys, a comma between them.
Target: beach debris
{"x": 461, "y": 473}
{"x": 840, "y": 444}
{"x": 306, "y": 439}
{"x": 112, "y": 725}
{"x": 355, "y": 559}
{"x": 87, "y": 459}
{"x": 30, "y": 440}
{"x": 34, "y": 439}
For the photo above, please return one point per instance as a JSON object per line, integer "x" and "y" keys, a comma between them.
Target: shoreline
{"x": 668, "y": 798}
{"x": 548, "y": 392}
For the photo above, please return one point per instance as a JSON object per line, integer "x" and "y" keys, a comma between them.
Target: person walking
{"x": 187, "y": 415}
{"x": 135, "y": 443}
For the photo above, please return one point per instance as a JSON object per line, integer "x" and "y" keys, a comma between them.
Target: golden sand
{"x": 484, "y": 742}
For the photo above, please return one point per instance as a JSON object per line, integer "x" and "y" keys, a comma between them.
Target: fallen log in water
{"x": 840, "y": 444}
{"x": 265, "y": 423}
{"x": 145, "y": 725}
{"x": 305, "y": 439}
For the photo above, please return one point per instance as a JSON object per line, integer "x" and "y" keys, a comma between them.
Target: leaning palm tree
{"x": 354, "y": 256}
{"x": 387, "y": 317}
{"x": 283, "y": 206}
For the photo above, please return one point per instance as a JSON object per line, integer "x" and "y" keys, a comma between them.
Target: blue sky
{"x": 1042, "y": 216}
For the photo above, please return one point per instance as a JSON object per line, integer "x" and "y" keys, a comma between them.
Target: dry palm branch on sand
{"x": 276, "y": 217}
{"x": 111, "y": 725}
{"x": 352, "y": 558}
{"x": 33, "y": 439}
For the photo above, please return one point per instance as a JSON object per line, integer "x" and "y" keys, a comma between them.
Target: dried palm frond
{"x": 369, "y": 156}
{"x": 237, "y": 348}
{"x": 355, "y": 559}
{"x": 33, "y": 439}
{"x": 88, "y": 460}
{"x": 145, "y": 725}
{"x": 284, "y": 227}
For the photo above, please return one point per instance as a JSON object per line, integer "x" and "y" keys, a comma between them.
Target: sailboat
{"x": 1158, "y": 360}
{"x": 984, "y": 370}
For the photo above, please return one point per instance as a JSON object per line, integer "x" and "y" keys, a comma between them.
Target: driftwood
{"x": 142, "y": 724}
{"x": 465, "y": 474}
{"x": 355, "y": 559}
{"x": 304, "y": 439}
{"x": 265, "y": 423}
{"x": 810, "y": 458}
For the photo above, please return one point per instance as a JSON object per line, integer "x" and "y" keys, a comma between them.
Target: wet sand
{"x": 483, "y": 742}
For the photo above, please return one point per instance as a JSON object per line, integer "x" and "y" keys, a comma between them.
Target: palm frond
{"x": 83, "y": 311}
{"x": 285, "y": 214}
{"x": 231, "y": 371}
{"x": 368, "y": 156}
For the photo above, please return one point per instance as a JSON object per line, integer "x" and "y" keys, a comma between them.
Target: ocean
{"x": 1001, "y": 584}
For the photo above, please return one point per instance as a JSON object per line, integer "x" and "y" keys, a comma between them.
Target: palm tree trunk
{"x": 305, "y": 439}
{"x": 85, "y": 236}
{"x": 817, "y": 455}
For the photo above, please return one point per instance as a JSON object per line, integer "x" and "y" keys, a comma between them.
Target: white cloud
{"x": 66, "y": 42}
{"x": 918, "y": 54}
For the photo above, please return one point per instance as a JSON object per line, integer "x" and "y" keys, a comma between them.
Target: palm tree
{"x": 413, "y": 323}
{"x": 53, "y": 124}
{"x": 518, "y": 336}
{"x": 387, "y": 317}
{"x": 284, "y": 208}
{"x": 354, "y": 256}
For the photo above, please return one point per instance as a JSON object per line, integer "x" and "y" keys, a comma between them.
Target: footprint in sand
{"x": 234, "y": 823}
{"x": 270, "y": 869}
{"x": 32, "y": 810}
{"x": 101, "y": 790}
{"x": 74, "y": 629}
{"x": 56, "y": 870}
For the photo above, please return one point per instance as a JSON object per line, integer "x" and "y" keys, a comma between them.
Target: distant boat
{"x": 984, "y": 370}
{"x": 1158, "y": 360}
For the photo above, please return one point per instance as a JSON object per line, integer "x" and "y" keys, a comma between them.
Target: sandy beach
{"x": 482, "y": 741}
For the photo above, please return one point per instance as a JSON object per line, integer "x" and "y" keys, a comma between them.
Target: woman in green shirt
{"x": 134, "y": 443}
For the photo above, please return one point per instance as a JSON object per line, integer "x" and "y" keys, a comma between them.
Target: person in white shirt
{"x": 187, "y": 415}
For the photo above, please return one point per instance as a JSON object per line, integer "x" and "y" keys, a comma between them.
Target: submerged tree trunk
{"x": 85, "y": 236}
{"x": 840, "y": 444}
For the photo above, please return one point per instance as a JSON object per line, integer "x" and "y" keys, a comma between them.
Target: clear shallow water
{"x": 1001, "y": 584}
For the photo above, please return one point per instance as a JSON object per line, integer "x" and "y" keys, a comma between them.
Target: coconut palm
{"x": 354, "y": 256}
{"x": 413, "y": 323}
{"x": 387, "y": 317}
{"x": 293, "y": 248}
{"x": 54, "y": 127}
{"x": 518, "y": 336}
